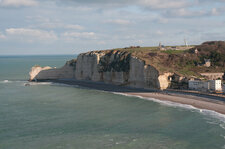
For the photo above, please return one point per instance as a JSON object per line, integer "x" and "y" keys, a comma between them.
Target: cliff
{"x": 114, "y": 66}
{"x": 142, "y": 67}
{"x": 48, "y": 73}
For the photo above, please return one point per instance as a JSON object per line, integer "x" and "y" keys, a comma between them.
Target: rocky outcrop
{"x": 87, "y": 67}
{"x": 115, "y": 67}
{"x": 48, "y": 73}
{"x": 36, "y": 70}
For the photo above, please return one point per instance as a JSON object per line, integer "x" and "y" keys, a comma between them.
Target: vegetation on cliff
{"x": 120, "y": 61}
{"x": 182, "y": 62}
{"x": 185, "y": 63}
{"x": 215, "y": 51}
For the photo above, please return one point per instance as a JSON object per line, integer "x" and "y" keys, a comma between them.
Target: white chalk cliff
{"x": 48, "y": 73}
{"x": 113, "y": 67}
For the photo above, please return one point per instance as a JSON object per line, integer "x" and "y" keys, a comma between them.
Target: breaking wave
{"x": 24, "y": 82}
{"x": 27, "y": 83}
{"x": 48, "y": 83}
{"x": 12, "y": 81}
{"x": 213, "y": 114}
{"x": 37, "y": 83}
{"x": 5, "y": 81}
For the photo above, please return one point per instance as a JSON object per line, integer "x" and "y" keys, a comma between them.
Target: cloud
{"x": 46, "y": 23}
{"x": 209, "y": 1}
{"x": 18, "y": 3}
{"x": 153, "y": 4}
{"x": 161, "y": 20}
{"x": 118, "y": 21}
{"x": 2, "y": 36}
{"x": 57, "y": 25}
{"x": 215, "y": 36}
{"x": 72, "y": 26}
{"x": 163, "y": 4}
{"x": 159, "y": 33}
{"x": 78, "y": 35}
{"x": 92, "y": 24}
{"x": 30, "y": 35}
{"x": 184, "y": 13}
{"x": 217, "y": 11}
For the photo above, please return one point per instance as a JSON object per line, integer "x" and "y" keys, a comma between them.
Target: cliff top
{"x": 185, "y": 61}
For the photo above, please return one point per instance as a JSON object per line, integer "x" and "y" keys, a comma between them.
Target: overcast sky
{"x": 75, "y": 26}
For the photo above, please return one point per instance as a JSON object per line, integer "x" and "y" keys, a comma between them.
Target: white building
{"x": 213, "y": 85}
{"x": 198, "y": 85}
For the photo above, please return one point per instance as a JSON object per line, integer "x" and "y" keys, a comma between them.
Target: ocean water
{"x": 57, "y": 116}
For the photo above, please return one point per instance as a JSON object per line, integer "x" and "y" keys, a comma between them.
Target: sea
{"x": 58, "y": 116}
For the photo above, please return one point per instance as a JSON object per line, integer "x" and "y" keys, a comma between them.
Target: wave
{"x": 214, "y": 114}
{"x": 27, "y": 83}
{"x": 163, "y": 102}
{"x": 12, "y": 81}
{"x": 24, "y": 82}
{"x": 37, "y": 83}
{"x": 5, "y": 81}
{"x": 48, "y": 83}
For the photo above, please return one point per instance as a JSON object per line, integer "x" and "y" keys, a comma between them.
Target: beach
{"x": 198, "y": 102}
{"x": 201, "y": 101}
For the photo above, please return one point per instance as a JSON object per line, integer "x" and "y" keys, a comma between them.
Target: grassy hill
{"x": 183, "y": 62}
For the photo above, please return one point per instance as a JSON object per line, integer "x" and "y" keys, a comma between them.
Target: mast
{"x": 185, "y": 42}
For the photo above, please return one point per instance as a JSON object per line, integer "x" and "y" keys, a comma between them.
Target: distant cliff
{"x": 142, "y": 67}
{"x": 116, "y": 67}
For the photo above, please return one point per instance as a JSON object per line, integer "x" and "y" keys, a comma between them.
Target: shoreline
{"x": 200, "y": 103}
{"x": 209, "y": 102}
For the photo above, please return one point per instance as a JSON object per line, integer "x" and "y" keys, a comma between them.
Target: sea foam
{"x": 38, "y": 83}
{"x": 213, "y": 114}
{"x": 49, "y": 83}
{"x": 5, "y": 81}
{"x": 24, "y": 82}
{"x": 11, "y": 81}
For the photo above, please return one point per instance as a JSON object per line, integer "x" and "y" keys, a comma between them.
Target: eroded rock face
{"x": 146, "y": 76}
{"x": 164, "y": 80}
{"x": 114, "y": 67}
{"x": 48, "y": 73}
{"x": 36, "y": 70}
{"x": 109, "y": 68}
{"x": 87, "y": 67}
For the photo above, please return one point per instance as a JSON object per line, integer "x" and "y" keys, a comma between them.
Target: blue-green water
{"x": 53, "y": 116}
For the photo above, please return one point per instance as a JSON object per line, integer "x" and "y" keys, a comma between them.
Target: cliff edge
{"x": 141, "y": 67}
{"x": 115, "y": 67}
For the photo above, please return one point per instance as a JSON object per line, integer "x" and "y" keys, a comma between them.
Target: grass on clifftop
{"x": 183, "y": 62}
{"x": 140, "y": 49}
{"x": 152, "y": 56}
{"x": 174, "y": 51}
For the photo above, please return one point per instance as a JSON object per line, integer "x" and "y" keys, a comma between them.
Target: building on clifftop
{"x": 213, "y": 76}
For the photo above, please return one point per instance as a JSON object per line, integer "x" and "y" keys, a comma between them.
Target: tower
{"x": 185, "y": 42}
{"x": 160, "y": 45}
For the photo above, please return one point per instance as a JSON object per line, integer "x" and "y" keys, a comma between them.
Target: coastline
{"x": 197, "y": 102}
{"x": 209, "y": 102}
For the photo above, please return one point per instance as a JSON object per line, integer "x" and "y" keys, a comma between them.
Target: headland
{"x": 150, "y": 72}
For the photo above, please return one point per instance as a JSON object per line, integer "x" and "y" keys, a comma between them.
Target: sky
{"x": 34, "y": 27}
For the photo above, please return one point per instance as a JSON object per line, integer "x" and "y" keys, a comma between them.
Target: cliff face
{"x": 113, "y": 67}
{"x": 48, "y": 73}
{"x": 119, "y": 68}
